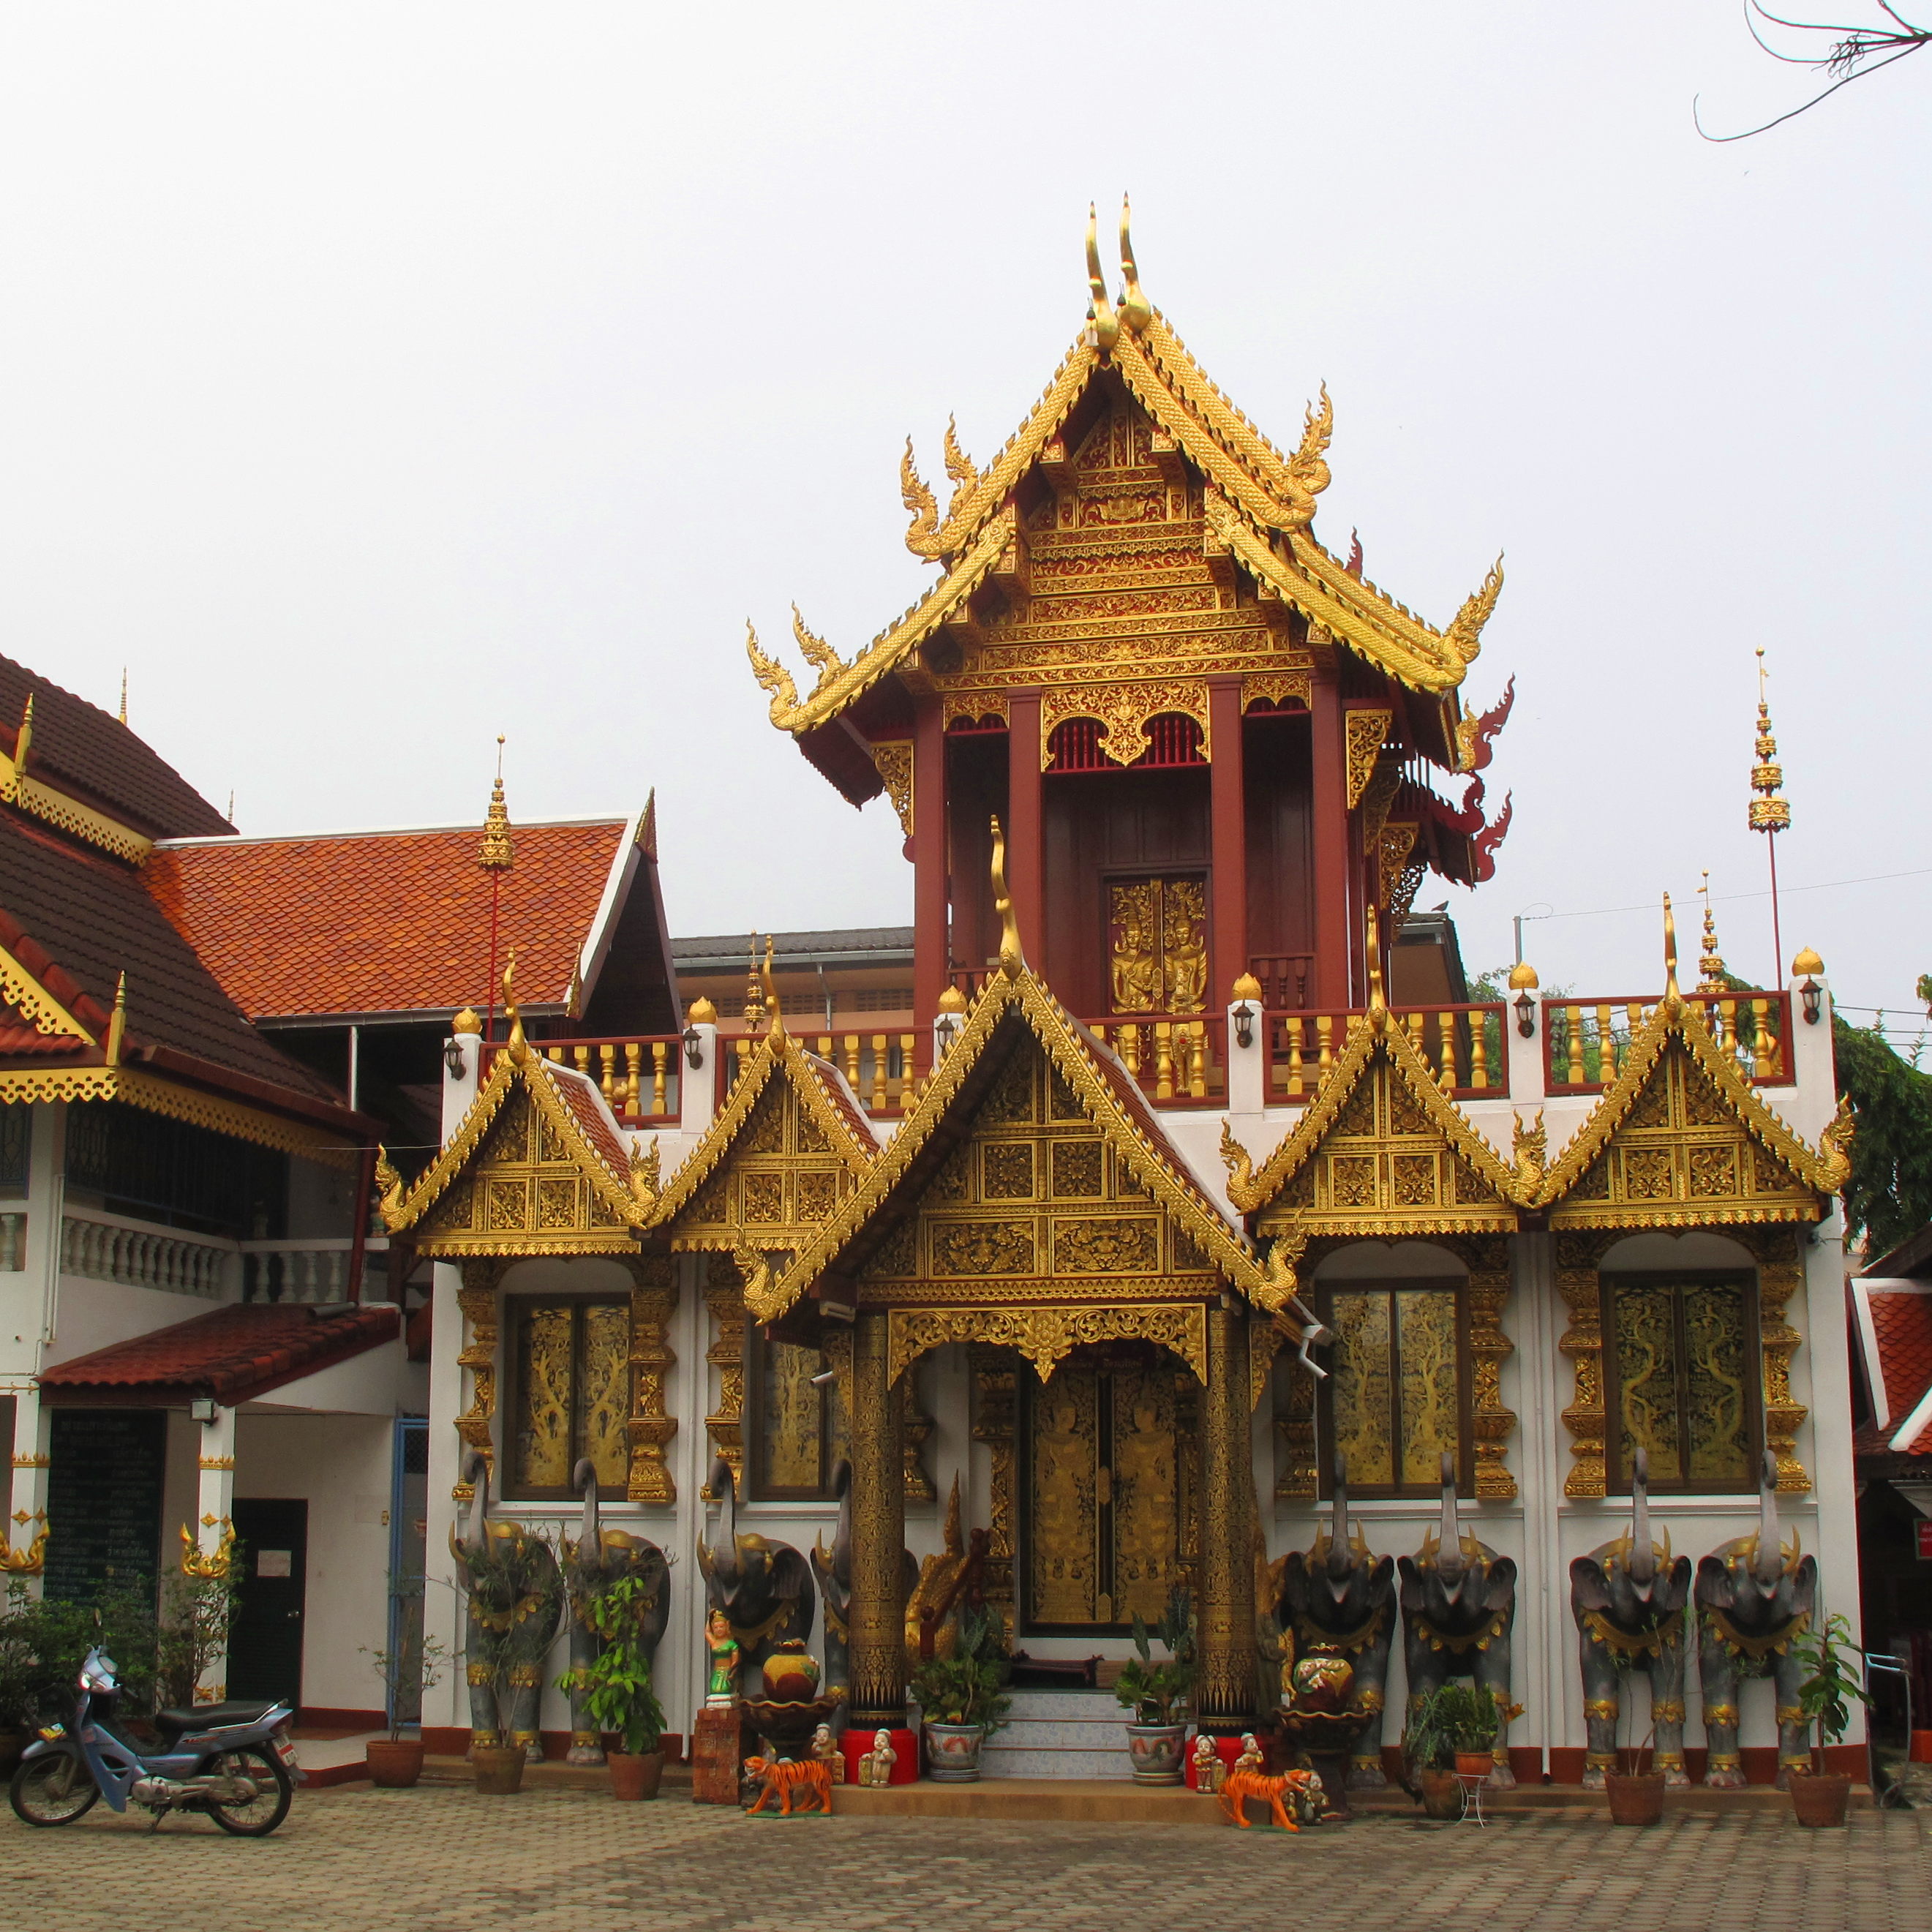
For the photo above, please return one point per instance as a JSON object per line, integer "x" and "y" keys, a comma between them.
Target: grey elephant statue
{"x": 1335, "y": 1596}
{"x": 763, "y": 1588}
{"x": 833, "y": 1569}
{"x": 514, "y": 1594}
{"x": 1458, "y": 1609}
{"x": 1755, "y": 1598}
{"x": 1629, "y": 1598}
{"x": 599, "y": 1559}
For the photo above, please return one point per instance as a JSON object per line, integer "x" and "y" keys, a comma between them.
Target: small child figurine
{"x": 1210, "y": 1773}
{"x": 1252, "y": 1758}
{"x": 723, "y": 1687}
{"x": 876, "y": 1766}
{"x": 825, "y": 1748}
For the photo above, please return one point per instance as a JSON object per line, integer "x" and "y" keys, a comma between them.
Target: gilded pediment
{"x": 1380, "y": 1152}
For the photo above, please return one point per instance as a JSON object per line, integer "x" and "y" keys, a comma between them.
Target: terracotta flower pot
{"x": 1441, "y": 1796}
{"x": 633, "y": 1778}
{"x": 1820, "y": 1799}
{"x": 1636, "y": 1797}
{"x": 1473, "y": 1764}
{"x": 394, "y": 1763}
{"x": 499, "y": 1768}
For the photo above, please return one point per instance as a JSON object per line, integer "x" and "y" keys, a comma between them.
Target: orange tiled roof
{"x": 384, "y": 922}
{"x": 1901, "y": 1320}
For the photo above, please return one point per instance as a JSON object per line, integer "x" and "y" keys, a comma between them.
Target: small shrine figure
{"x": 825, "y": 1749}
{"x": 723, "y": 1687}
{"x": 876, "y": 1766}
{"x": 1252, "y": 1758}
{"x": 1210, "y": 1773}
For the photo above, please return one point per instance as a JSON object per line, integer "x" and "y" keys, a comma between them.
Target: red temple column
{"x": 1026, "y": 843}
{"x": 1330, "y": 776}
{"x": 932, "y": 937}
{"x": 1228, "y": 951}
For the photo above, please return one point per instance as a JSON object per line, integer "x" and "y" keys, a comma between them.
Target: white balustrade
{"x": 140, "y": 1255}
{"x": 13, "y": 1238}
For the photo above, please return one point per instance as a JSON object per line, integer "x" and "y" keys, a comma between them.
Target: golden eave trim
{"x": 1676, "y": 1017}
{"x": 525, "y": 1247}
{"x": 799, "y": 1069}
{"x": 1224, "y": 1249}
{"x": 29, "y": 794}
{"x": 539, "y": 1078}
{"x": 1368, "y": 1032}
{"x": 45, "y": 1013}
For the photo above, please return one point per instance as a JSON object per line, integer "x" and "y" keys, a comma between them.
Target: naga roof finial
{"x": 773, "y": 1011}
{"x": 1671, "y": 991}
{"x": 1099, "y": 310}
{"x": 1011, "y": 959}
{"x": 517, "y": 1047}
{"x": 1377, "y": 1001}
{"x": 1136, "y": 311}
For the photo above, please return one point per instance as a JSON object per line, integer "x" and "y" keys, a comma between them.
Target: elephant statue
{"x": 509, "y": 1578}
{"x": 1629, "y": 1598}
{"x": 833, "y": 1569}
{"x": 1458, "y": 1608}
{"x": 1755, "y": 1597}
{"x": 598, "y": 1558}
{"x": 1335, "y": 1596}
{"x": 763, "y": 1588}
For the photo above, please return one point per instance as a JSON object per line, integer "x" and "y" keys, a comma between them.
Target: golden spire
{"x": 1099, "y": 310}
{"x": 754, "y": 990}
{"x": 775, "y": 1032}
{"x": 1136, "y": 311}
{"x": 1011, "y": 959}
{"x": 498, "y": 854}
{"x": 123, "y": 694}
{"x": 24, "y": 739}
{"x": 1671, "y": 990}
{"x": 1769, "y": 813}
{"x": 518, "y": 1047}
{"x": 1378, "y": 1002}
{"x": 1711, "y": 962}
{"x": 117, "y": 1023}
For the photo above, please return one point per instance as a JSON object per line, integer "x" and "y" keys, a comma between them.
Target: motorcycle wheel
{"x": 52, "y": 1790}
{"x": 273, "y": 1790}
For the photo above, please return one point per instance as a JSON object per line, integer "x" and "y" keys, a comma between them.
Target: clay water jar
{"x": 499, "y": 1768}
{"x": 1441, "y": 1796}
{"x": 1636, "y": 1797}
{"x": 1820, "y": 1799}
{"x": 635, "y": 1778}
{"x": 394, "y": 1763}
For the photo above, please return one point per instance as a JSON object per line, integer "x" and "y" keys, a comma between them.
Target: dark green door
{"x": 264, "y": 1646}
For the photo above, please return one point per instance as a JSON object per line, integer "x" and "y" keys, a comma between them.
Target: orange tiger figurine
{"x": 788, "y": 1780}
{"x": 1304, "y": 1787}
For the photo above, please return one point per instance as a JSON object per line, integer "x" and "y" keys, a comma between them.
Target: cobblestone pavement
{"x": 445, "y": 1860}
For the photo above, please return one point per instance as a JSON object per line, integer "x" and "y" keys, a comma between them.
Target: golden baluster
{"x": 878, "y": 1071}
{"x": 555, "y": 1055}
{"x": 1414, "y": 1022}
{"x": 581, "y": 1054}
{"x": 1573, "y": 1018}
{"x": 606, "y": 1082}
{"x": 1324, "y": 1040}
{"x": 1445, "y": 1050}
{"x": 1764, "y": 1066}
{"x": 660, "y": 1067}
{"x": 1722, "y": 1016}
{"x": 1606, "y": 1047}
{"x": 1774, "y": 1039}
{"x": 907, "y": 1086}
{"x": 1633, "y": 1018}
{"x": 634, "y": 1060}
{"x": 1163, "y": 1061}
{"x": 1127, "y": 1044}
{"x": 1479, "y": 1050}
{"x": 743, "y": 1044}
{"x": 1197, "y": 1059}
{"x": 823, "y": 1049}
{"x": 1294, "y": 1058}
{"x": 849, "y": 1044}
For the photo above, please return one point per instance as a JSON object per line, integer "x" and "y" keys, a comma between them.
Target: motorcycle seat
{"x": 209, "y": 1718}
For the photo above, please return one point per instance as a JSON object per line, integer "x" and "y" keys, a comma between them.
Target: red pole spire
{"x": 1769, "y": 813}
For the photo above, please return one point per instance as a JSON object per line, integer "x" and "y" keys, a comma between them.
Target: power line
{"x": 1725, "y": 898}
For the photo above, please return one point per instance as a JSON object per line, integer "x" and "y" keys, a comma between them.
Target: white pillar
{"x": 697, "y": 1086}
{"x": 214, "y": 1523}
{"x": 1525, "y": 1056}
{"x": 459, "y": 1089}
{"x": 448, "y": 1705}
{"x": 32, "y": 1460}
{"x": 1247, "y": 1066}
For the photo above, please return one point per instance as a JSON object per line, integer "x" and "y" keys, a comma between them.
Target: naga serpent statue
{"x": 1628, "y": 1598}
{"x": 599, "y": 1559}
{"x": 1458, "y": 1608}
{"x": 1755, "y": 1598}
{"x": 515, "y": 1597}
{"x": 1335, "y": 1596}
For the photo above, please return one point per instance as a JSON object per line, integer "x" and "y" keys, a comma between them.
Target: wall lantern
{"x": 1525, "y": 1015}
{"x": 1523, "y": 983}
{"x": 694, "y": 1048}
{"x": 1812, "y": 994}
{"x": 452, "y": 1057}
{"x": 945, "y": 1031}
{"x": 203, "y": 1410}
{"x": 1244, "y": 1017}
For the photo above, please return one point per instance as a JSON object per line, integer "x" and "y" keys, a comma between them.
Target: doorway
{"x": 264, "y": 1642}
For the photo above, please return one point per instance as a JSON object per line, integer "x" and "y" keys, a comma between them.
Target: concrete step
{"x": 1060, "y": 1734}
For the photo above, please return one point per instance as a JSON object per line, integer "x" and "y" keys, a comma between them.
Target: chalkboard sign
{"x": 104, "y": 1502}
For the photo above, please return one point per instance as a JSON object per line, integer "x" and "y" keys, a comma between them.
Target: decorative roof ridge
{"x": 806, "y": 1073}
{"x": 839, "y": 687}
{"x": 401, "y": 1210}
{"x": 1825, "y": 1169}
{"x": 1367, "y": 1033}
{"x": 1150, "y": 1156}
{"x": 1244, "y": 437}
{"x": 237, "y": 841}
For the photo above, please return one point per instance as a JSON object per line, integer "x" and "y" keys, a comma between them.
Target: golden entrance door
{"x": 1157, "y": 945}
{"x": 1102, "y": 1495}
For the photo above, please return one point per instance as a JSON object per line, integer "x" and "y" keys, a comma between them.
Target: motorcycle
{"x": 236, "y": 1761}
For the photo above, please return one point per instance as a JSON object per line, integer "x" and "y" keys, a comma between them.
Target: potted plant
{"x": 1451, "y": 1734}
{"x": 1155, "y": 1692}
{"x": 1819, "y": 1797}
{"x": 1635, "y": 1788}
{"x": 413, "y": 1665}
{"x": 616, "y": 1687}
{"x": 960, "y": 1699}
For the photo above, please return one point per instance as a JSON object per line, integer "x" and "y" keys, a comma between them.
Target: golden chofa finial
{"x": 1136, "y": 311}
{"x": 1106, "y": 325}
{"x": 1378, "y": 1002}
{"x": 1711, "y": 962}
{"x": 773, "y": 1011}
{"x": 117, "y": 1022}
{"x": 1769, "y": 813}
{"x": 1671, "y": 990}
{"x": 754, "y": 990}
{"x": 1012, "y": 961}
{"x": 23, "y": 740}
{"x": 518, "y": 1046}
{"x": 497, "y": 854}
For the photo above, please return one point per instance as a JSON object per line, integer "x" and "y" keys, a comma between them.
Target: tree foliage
{"x": 1889, "y": 1196}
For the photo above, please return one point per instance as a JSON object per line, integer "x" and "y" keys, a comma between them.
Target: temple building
{"x": 1185, "y": 1180}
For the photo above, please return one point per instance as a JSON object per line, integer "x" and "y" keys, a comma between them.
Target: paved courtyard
{"x": 445, "y": 1860}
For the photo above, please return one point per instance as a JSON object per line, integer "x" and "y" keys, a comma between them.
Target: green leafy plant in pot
{"x": 616, "y": 1687}
{"x": 1819, "y": 1797}
{"x": 1159, "y": 1694}
{"x": 409, "y": 1666}
{"x": 1452, "y": 1732}
{"x": 962, "y": 1699}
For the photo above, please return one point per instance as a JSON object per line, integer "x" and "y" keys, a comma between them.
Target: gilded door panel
{"x": 543, "y": 1447}
{"x": 1157, "y": 945}
{"x": 603, "y": 1377}
{"x": 1363, "y": 1405}
{"x": 1431, "y": 1409}
{"x": 1146, "y": 1534}
{"x": 1646, "y": 1343}
{"x": 1716, "y": 1359}
{"x": 1063, "y": 1561}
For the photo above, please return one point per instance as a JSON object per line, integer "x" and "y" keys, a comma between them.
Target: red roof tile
{"x": 101, "y": 760}
{"x": 1902, "y": 1326}
{"x": 384, "y": 922}
{"x": 580, "y": 1095}
{"x": 234, "y": 1354}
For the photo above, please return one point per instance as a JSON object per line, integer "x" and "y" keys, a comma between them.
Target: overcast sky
{"x": 373, "y": 379}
